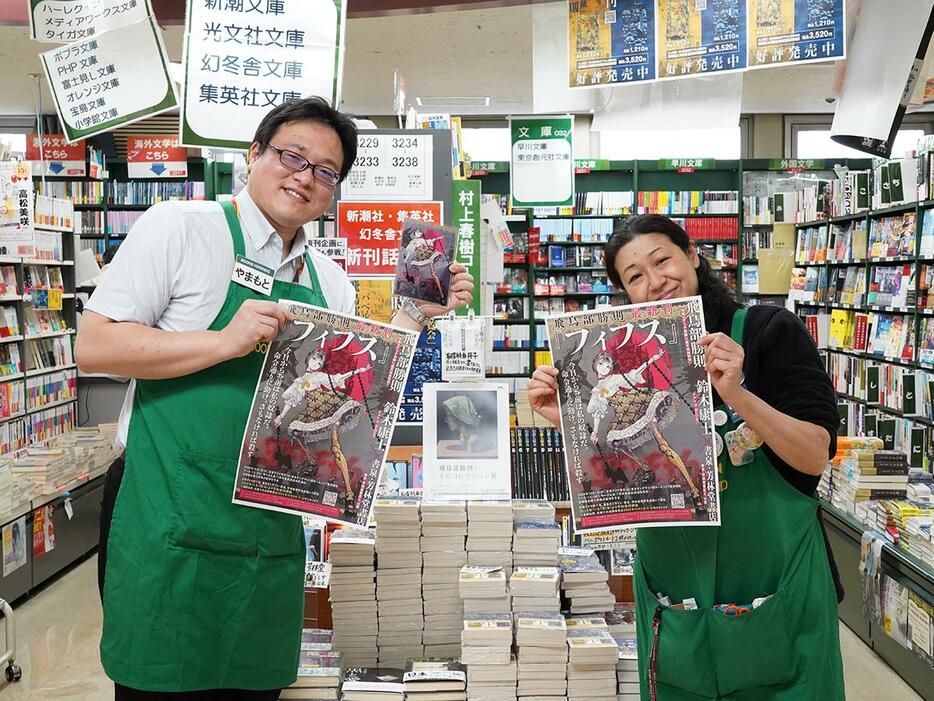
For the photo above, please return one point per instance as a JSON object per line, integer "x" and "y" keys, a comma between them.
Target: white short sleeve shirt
{"x": 173, "y": 269}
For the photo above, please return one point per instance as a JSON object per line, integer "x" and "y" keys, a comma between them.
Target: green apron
{"x": 770, "y": 544}
{"x": 200, "y": 593}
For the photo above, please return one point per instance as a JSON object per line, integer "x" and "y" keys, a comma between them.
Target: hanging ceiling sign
{"x": 243, "y": 58}
{"x": 794, "y": 32}
{"x": 65, "y": 21}
{"x": 610, "y": 43}
{"x": 700, "y": 38}
{"x": 541, "y": 171}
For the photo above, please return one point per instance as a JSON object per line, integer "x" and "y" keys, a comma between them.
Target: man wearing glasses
{"x": 203, "y": 599}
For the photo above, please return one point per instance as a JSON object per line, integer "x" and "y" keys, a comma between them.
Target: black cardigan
{"x": 783, "y": 368}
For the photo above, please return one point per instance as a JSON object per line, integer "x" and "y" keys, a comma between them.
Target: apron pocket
{"x": 684, "y": 660}
{"x": 753, "y": 650}
{"x": 202, "y": 513}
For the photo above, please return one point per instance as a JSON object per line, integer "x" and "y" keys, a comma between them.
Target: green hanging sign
{"x": 796, "y": 165}
{"x": 466, "y": 218}
{"x": 687, "y": 165}
{"x": 541, "y": 170}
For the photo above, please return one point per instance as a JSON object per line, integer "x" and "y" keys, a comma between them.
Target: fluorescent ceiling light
{"x": 453, "y": 101}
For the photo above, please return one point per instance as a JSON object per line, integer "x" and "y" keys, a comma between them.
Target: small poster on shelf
{"x": 14, "y": 546}
{"x": 466, "y": 441}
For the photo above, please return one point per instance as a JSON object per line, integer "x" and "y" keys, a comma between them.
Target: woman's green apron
{"x": 200, "y": 593}
{"x": 770, "y": 544}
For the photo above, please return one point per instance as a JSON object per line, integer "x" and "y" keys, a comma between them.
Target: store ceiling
{"x": 467, "y": 53}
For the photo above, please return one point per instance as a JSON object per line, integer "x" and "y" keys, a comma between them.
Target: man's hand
{"x": 255, "y": 322}
{"x": 461, "y": 293}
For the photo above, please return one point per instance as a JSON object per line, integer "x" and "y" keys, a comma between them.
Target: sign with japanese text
{"x": 466, "y": 220}
{"x": 795, "y": 165}
{"x": 245, "y": 57}
{"x": 687, "y": 165}
{"x": 65, "y": 21}
{"x": 117, "y": 78}
{"x": 156, "y": 156}
{"x": 488, "y": 167}
{"x": 609, "y": 540}
{"x": 56, "y": 156}
{"x": 586, "y": 165}
{"x": 699, "y": 38}
{"x": 793, "y": 32}
{"x": 374, "y": 299}
{"x": 333, "y": 248}
{"x": 391, "y": 168}
{"x": 610, "y": 42}
{"x": 426, "y": 367}
{"x": 373, "y": 231}
{"x": 541, "y": 170}
{"x": 317, "y": 575}
{"x": 16, "y": 210}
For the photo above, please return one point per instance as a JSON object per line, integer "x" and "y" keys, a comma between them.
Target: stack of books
{"x": 489, "y": 534}
{"x": 541, "y": 645}
{"x": 867, "y": 475}
{"x": 535, "y": 589}
{"x": 373, "y": 684}
{"x": 622, "y": 625}
{"x": 444, "y": 529}
{"x": 592, "y": 664}
{"x": 536, "y": 542}
{"x": 483, "y": 589}
{"x": 353, "y": 596}
{"x": 585, "y": 583}
{"x": 486, "y": 649}
{"x": 441, "y": 679}
{"x": 399, "y": 580}
{"x": 319, "y": 677}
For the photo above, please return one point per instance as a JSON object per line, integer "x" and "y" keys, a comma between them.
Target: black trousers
{"x": 121, "y": 693}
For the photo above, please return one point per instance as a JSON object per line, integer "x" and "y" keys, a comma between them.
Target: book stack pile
{"x": 536, "y": 542}
{"x": 535, "y": 589}
{"x": 435, "y": 680}
{"x": 399, "y": 580}
{"x": 486, "y": 649}
{"x": 319, "y": 676}
{"x": 444, "y": 527}
{"x": 541, "y": 644}
{"x": 489, "y": 535}
{"x": 353, "y": 595}
{"x": 869, "y": 475}
{"x": 585, "y": 582}
{"x": 622, "y": 625}
{"x": 532, "y": 508}
{"x": 592, "y": 663}
{"x": 373, "y": 684}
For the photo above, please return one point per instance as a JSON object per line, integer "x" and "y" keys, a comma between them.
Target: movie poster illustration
{"x": 636, "y": 414}
{"x": 425, "y": 257}
{"x": 323, "y": 415}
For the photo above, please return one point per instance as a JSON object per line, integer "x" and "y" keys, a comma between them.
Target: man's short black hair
{"x": 315, "y": 109}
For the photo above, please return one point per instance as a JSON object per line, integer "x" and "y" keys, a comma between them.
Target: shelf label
{"x": 687, "y": 165}
{"x": 156, "y": 156}
{"x": 61, "y": 157}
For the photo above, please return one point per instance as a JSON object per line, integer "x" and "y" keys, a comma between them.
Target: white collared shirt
{"x": 173, "y": 269}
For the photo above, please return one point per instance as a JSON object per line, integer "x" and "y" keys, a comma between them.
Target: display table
{"x": 845, "y": 534}
{"x": 75, "y": 537}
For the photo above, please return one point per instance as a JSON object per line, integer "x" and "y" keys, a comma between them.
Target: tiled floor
{"x": 59, "y": 629}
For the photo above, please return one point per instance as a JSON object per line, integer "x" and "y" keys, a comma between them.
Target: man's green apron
{"x": 770, "y": 544}
{"x": 200, "y": 593}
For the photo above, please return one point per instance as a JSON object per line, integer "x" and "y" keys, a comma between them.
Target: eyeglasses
{"x": 298, "y": 163}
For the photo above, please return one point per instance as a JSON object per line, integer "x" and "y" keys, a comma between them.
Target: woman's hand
{"x": 543, "y": 394}
{"x": 724, "y": 358}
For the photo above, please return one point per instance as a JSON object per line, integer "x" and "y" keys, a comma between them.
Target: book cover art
{"x": 426, "y": 367}
{"x": 425, "y": 257}
{"x": 434, "y": 670}
{"x": 323, "y": 414}
{"x": 636, "y": 414}
{"x": 374, "y": 679}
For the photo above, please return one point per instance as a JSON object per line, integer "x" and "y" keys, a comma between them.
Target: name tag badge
{"x": 252, "y": 275}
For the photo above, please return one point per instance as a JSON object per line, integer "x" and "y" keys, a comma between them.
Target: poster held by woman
{"x": 636, "y": 415}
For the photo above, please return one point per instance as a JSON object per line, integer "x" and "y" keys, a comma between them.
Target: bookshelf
{"x": 865, "y": 302}
{"x": 726, "y": 235}
{"x": 106, "y": 209}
